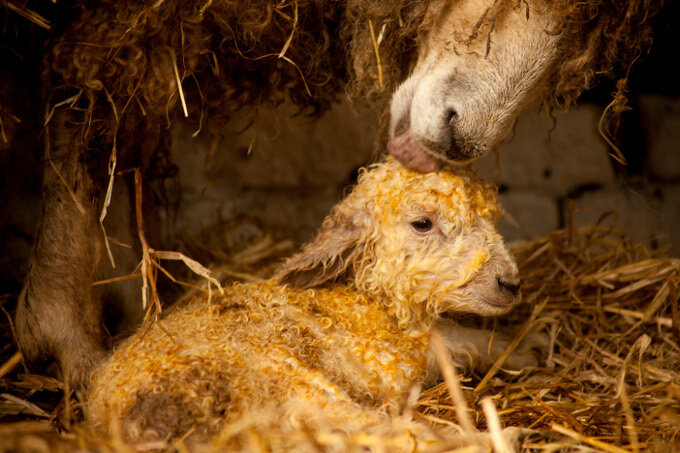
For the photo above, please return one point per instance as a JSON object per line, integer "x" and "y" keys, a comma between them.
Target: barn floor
{"x": 610, "y": 380}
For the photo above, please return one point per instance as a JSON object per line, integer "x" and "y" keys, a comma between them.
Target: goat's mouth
{"x": 406, "y": 149}
{"x": 425, "y": 157}
{"x": 502, "y": 302}
{"x": 493, "y": 301}
{"x": 483, "y": 302}
{"x": 498, "y": 301}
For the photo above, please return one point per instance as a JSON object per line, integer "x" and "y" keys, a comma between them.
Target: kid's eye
{"x": 422, "y": 225}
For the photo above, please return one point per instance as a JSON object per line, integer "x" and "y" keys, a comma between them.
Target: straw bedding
{"x": 609, "y": 382}
{"x": 611, "y": 376}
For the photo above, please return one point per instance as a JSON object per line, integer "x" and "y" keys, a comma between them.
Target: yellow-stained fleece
{"x": 346, "y": 336}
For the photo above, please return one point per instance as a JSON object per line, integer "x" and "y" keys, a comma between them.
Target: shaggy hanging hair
{"x": 128, "y": 56}
{"x": 607, "y": 37}
{"x": 122, "y": 56}
{"x": 602, "y": 38}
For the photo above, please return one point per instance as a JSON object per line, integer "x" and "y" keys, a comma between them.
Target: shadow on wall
{"x": 545, "y": 166}
{"x": 283, "y": 174}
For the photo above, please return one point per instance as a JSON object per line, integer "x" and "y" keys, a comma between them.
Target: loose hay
{"x": 610, "y": 382}
{"x": 610, "y": 379}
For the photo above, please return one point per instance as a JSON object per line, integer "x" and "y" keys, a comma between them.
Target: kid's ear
{"x": 325, "y": 259}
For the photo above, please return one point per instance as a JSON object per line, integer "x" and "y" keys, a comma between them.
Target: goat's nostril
{"x": 402, "y": 126}
{"x": 512, "y": 288}
{"x": 451, "y": 115}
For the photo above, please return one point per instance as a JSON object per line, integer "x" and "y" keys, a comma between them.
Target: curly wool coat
{"x": 351, "y": 346}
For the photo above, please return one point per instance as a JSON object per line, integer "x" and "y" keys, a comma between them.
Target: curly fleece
{"x": 350, "y": 348}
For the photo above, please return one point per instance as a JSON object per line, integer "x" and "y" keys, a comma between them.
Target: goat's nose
{"x": 455, "y": 147}
{"x": 454, "y": 151}
{"x": 509, "y": 286}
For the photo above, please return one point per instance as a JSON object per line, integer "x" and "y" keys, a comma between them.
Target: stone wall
{"x": 282, "y": 175}
{"x": 285, "y": 173}
{"x": 548, "y": 163}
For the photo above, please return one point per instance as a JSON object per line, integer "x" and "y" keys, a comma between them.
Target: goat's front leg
{"x": 58, "y": 314}
{"x": 477, "y": 349}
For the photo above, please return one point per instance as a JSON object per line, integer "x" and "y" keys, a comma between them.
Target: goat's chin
{"x": 491, "y": 306}
{"x": 480, "y": 303}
